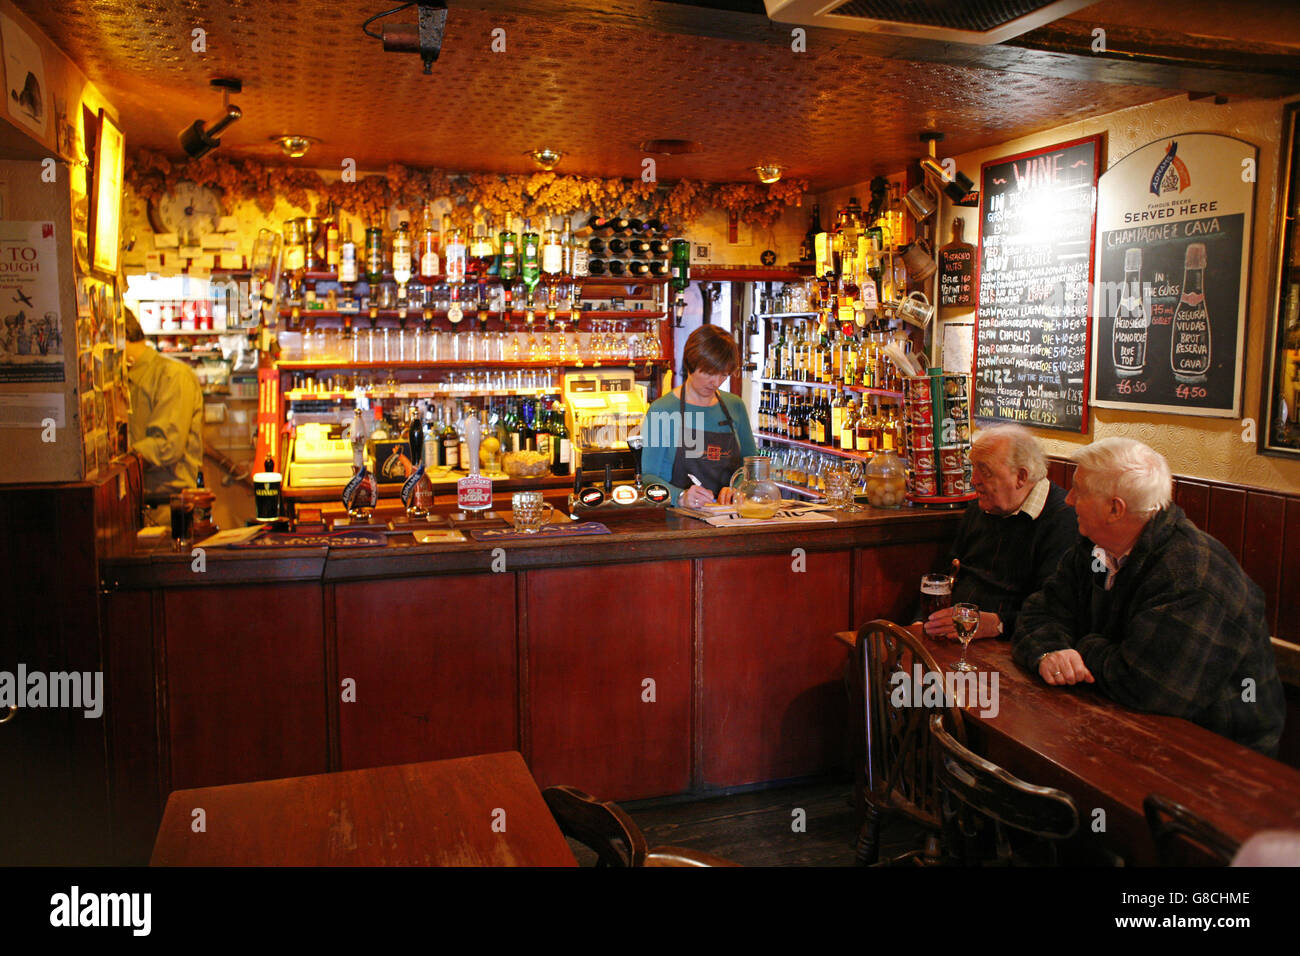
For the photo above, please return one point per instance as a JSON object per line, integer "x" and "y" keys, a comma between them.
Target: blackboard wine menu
{"x": 1036, "y": 237}
{"x": 1174, "y": 221}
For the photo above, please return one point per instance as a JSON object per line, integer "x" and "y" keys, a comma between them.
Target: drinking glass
{"x": 966, "y": 619}
{"x": 936, "y": 593}
{"x": 529, "y": 512}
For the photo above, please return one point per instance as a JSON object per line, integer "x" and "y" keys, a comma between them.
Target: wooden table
{"x": 1105, "y": 755}
{"x": 440, "y": 813}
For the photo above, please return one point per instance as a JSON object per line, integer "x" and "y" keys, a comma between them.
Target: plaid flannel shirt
{"x": 1179, "y": 633}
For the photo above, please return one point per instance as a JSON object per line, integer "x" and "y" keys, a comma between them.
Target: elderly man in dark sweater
{"x": 1151, "y": 609}
{"x": 1011, "y": 539}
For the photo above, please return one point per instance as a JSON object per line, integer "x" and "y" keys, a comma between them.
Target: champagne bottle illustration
{"x": 1129, "y": 332}
{"x": 1189, "y": 344}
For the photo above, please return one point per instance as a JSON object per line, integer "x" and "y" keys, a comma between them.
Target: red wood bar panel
{"x": 1262, "y": 551}
{"x": 1288, "y": 608}
{"x": 1194, "y": 498}
{"x": 1228, "y": 517}
{"x": 434, "y": 660}
{"x": 245, "y": 683}
{"x": 1110, "y": 757}
{"x": 1056, "y": 472}
{"x": 594, "y": 635}
{"x": 773, "y": 701}
{"x": 887, "y": 581}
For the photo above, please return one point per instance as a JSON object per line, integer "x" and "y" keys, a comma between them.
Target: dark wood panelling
{"x": 1227, "y": 517}
{"x": 1262, "y": 550}
{"x": 129, "y": 682}
{"x": 887, "y": 580}
{"x": 1056, "y": 472}
{"x": 1194, "y": 498}
{"x": 594, "y": 635}
{"x": 773, "y": 703}
{"x": 434, "y": 665}
{"x": 245, "y": 674}
{"x": 1288, "y": 598}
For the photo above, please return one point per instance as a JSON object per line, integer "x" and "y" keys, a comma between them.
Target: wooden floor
{"x": 762, "y": 828}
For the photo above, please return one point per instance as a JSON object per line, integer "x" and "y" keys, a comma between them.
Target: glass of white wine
{"x": 966, "y": 620}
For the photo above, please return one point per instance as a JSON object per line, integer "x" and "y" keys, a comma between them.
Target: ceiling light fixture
{"x": 769, "y": 172}
{"x": 545, "y": 157}
{"x": 198, "y": 141}
{"x": 295, "y": 145}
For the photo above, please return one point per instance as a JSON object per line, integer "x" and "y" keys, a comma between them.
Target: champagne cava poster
{"x": 1173, "y": 253}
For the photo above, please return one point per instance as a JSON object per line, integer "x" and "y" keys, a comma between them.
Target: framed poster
{"x": 25, "y": 89}
{"x": 1035, "y": 277}
{"x": 106, "y": 196}
{"x": 1174, "y": 224}
{"x": 1279, "y": 412}
{"x": 31, "y": 324}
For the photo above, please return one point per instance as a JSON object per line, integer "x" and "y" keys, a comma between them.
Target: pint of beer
{"x": 936, "y": 593}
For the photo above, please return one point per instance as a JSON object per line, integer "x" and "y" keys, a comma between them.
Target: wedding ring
{"x": 1057, "y": 674}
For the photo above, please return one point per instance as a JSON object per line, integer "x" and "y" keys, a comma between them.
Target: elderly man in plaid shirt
{"x": 1151, "y": 609}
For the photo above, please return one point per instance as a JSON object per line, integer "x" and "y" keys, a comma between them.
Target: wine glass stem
{"x": 962, "y": 663}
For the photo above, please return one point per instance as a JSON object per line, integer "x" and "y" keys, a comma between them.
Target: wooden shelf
{"x": 885, "y": 392}
{"x": 724, "y": 274}
{"x": 812, "y": 446}
{"x": 442, "y": 277}
{"x": 517, "y": 317}
{"x": 801, "y": 490}
{"x": 297, "y": 364}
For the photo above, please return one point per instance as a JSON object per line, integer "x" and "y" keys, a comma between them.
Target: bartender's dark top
{"x": 1004, "y": 559}
{"x": 1181, "y": 630}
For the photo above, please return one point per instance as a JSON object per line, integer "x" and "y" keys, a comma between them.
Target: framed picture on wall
{"x": 106, "y": 196}
{"x": 1279, "y": 414}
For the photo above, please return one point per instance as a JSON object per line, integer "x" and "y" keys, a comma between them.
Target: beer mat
{"x": 329, "y": 539}
{"x": 437, "y": 535}
{"x": 724, "y": 516}
{"x": 231, "y": 537}
{"x": 548, "y": 531}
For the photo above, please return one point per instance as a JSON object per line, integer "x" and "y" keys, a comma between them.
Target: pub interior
{"x": 345, "y": 490}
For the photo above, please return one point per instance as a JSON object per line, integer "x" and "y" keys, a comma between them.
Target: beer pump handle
{"x": 473, "y": 437}
{"x": 609, "y": 480}
{"x": 577, "y": 479}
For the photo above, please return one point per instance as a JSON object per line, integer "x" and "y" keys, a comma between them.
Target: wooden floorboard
{"x": 758, "y": 828}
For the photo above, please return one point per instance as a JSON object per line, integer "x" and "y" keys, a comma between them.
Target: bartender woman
{"x": 696, "y": 436}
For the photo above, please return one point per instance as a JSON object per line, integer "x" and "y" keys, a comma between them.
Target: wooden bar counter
{"x": 666, "y": 657}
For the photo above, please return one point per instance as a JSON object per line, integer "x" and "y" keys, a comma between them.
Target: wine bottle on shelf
{"x": 620, "y": 224}
{"x": 616, "y": 267}
{"x": 402, "y": 258}
{"x": 332, "y": 241}
{"x": 601, "y": 226}
{"x": 596, "y": 267}
{"x": 657, "y": 268}
{"x": 617, "y": 246}
{"x": 508, "y": 272}
{"x": 639, "y": 248}
{"x": 596, "y": 246}
{"x": 455, "y": 266}
{"x": 637, "y": 268}
{"x": 374, "y": 258}
{"x": 348, "y": 258}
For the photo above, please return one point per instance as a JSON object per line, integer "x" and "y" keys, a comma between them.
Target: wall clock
{"x": 188, "y": 209}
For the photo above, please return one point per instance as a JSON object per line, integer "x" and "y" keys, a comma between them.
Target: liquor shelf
{"x": 813, "y": 446}
{"x": 885, "y": 392}
{"x": 557, "y": 362}
{"x": 517, "y": 317}
{"x": 477, "y": 647}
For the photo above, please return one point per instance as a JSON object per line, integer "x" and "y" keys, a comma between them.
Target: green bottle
{"x": 530, "y": 259}
{"x": 374, "y": 257}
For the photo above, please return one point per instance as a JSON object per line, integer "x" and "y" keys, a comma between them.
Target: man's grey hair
{"x": 1020, "y": 449}
{"x": 1126, "y": 468}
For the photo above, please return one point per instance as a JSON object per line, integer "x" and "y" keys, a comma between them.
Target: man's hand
{"x": 939, "y": 624}
{"x": 1059, "y": 668}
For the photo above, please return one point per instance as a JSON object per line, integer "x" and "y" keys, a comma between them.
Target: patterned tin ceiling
{"x": 833, "y": 114}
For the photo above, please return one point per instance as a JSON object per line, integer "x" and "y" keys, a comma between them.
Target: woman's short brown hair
{"x": 710, "y": 350}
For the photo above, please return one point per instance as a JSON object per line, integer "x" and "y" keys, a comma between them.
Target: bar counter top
{"x": 635, "y": 535}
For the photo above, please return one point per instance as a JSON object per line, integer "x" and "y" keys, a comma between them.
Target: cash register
{"x": 316, "y": 460}
{"x": 602, "y": 407}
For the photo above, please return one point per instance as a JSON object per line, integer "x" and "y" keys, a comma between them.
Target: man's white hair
{"x": 1020, "y": 449}
{"x": 1126, "y": 468}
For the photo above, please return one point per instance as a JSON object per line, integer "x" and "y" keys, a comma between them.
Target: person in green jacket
{"x": 697, "y": 430}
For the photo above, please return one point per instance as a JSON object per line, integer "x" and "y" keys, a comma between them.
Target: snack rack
{"x": 936, "y": 436}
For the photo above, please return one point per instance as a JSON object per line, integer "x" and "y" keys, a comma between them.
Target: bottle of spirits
{"x": 430, "y": 265}
{"x": 402, "y": 258}
{"x": 865, "y": 430}
{"x": 530, "y": 261}
{"x": 836, "y": 419}
{"x": 509, "y": 270}
{"x": 680, "y": 271}
{"x": 561, "y": 448}
{"x": 332, "y": 242}
{"x": 348, "y": 258}
{"x": 1129, "y": 332}
{"x": 455, "y": 266}
{"x": 374, "y": 258}
{"x": 450, "y": 457}
{"x": 848, "y": 430}
{"x": 552, "y": 267}
{"x": 808, "y": 250}
{"x": 581, "y": 256}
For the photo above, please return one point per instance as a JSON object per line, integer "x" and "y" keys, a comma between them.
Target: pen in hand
{"x": 699, "y": 484}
